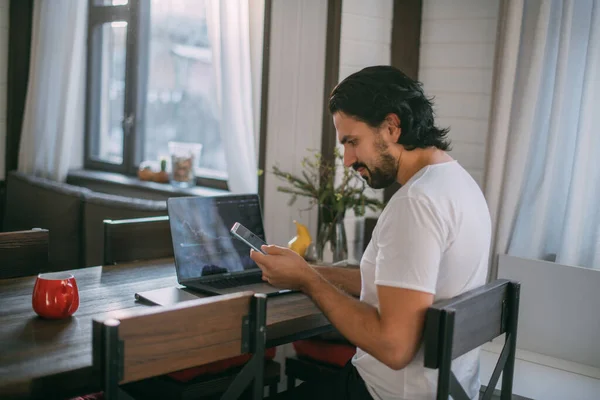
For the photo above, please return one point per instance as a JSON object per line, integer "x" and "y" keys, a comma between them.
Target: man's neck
{"x": 411, "y": 162}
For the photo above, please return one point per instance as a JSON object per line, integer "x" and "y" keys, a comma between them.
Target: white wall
{"x": 296, "y": 79}
{"x": 558, "y": 356}
{"x": 366, "y": 34}
{"x": 366, "y": 37}
{"x": 3, "y": 79}
{"x": 558, "y": 313}
{"x": 458, "y": 40}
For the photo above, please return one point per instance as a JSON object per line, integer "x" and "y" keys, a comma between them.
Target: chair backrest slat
{"x": 24, "y": 253}
{"x": 137, "y": 239}
{"x": 369, "y": 227}
{"x": 166, "y": 339}
{"x": 478, "y": 316}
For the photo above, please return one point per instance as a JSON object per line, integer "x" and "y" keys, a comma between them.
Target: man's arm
{"x": 391, "y": 334}
{"x": 346, "y": 278}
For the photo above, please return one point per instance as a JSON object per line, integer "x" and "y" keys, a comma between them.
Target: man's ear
{"x": 393, "y": 127}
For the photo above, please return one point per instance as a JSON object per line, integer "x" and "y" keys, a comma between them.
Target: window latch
{"x": 128, "y": 124}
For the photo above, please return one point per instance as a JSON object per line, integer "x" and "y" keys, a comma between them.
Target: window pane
{"x": 112, "y": 93}
{"x": 181, "y": 100}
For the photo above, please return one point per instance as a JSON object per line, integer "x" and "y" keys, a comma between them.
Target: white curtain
{"x": 543, "y": 175}
{"x": 229, "y": 33}
{"x": 54, "y": 108}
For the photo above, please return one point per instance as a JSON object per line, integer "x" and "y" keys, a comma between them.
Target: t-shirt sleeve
{"x": 410, "y": 244}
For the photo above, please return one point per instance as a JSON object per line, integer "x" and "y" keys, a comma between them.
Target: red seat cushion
{"x": 190, "y": 373}
{"x": 326, "y": 352}
{"x": 218, "y": 366}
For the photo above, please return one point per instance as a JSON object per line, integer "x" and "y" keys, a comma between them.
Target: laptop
{"x": 207, "y": 257}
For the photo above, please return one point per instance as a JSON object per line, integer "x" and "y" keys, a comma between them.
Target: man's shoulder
{"x": 440, "y": 186}
{"x": 415, "y": 208}
{"x": 413, "y": 197}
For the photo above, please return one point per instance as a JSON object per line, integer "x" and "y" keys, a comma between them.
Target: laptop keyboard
{"x": 234, "y": 281}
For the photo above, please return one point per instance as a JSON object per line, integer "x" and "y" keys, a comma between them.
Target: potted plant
{"x": 318, "y": 183}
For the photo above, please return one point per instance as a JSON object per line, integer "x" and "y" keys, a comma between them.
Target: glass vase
{"x": 334, "y": 233}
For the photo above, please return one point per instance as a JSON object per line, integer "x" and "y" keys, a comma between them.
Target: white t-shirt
{"x": 433, "y": 236}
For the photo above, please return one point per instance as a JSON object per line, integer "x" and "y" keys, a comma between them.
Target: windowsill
{"x": 114, "y": 183}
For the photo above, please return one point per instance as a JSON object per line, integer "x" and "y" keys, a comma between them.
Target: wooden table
{"x": 53, "y": 359}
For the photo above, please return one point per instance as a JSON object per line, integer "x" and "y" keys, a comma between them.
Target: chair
{"x": 24, "y": 253}
{"x": 135, "y": 345}
{"x": 56, "y": 206}
{"x": 98, "y": 207}
{"x": 148, "y": 238}
{"x": 137, "y": 239}
{"x": 369, "y": 226}
{"x": 318, "y": 357}
{"x": 452, "y": 328}
{"x": 456, "y": 326}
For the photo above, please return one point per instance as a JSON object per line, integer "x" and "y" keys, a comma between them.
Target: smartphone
{"x": 245, "y": 235}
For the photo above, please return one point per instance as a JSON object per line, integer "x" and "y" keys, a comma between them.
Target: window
{"x": 150, "y": 81}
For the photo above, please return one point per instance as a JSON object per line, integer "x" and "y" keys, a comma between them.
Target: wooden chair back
{"x": 456, "y": 326}
{"x": 129, "y": 240}
{"x": 369, "y": 226}
{"x": 24, "y": 253}
{"x": 134, "y": 345}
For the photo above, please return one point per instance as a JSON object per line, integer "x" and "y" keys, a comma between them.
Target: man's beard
{"x": 384, "y": 174}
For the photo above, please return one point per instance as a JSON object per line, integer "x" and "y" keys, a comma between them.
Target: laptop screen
{"x": 202, "y": 243}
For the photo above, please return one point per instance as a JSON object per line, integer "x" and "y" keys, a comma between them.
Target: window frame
{"x": 136, "y": 13}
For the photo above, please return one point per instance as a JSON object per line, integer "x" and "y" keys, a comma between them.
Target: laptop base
{"x": 174, "y": 294}
{"x": 167, "y": 296}
{"x": 261, "y": 287}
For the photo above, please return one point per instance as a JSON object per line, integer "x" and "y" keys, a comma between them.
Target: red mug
{"x": 55, "y": 295}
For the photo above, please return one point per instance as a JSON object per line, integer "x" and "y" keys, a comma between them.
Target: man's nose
{"x": 349, "y": 158}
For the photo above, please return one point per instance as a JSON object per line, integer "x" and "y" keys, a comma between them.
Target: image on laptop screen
{"x": 200, "y": 226}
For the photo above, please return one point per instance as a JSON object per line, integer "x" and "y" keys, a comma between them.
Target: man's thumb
{"x": 273, "y": 250}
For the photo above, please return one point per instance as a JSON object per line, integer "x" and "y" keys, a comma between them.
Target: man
{"x": 431, "y": 242}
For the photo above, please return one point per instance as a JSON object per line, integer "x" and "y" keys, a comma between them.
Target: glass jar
{"x": 184, "y": 159}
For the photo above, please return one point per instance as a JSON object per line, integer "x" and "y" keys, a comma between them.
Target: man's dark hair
{"x": 372, "y": 93}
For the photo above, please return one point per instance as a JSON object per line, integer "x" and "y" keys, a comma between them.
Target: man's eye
{"x": 353, "y": 142}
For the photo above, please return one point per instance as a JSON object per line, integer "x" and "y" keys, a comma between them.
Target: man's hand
{"x": 283, "y": 268}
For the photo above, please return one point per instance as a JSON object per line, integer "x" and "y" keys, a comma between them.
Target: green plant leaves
{"x": 316, "y": 182}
